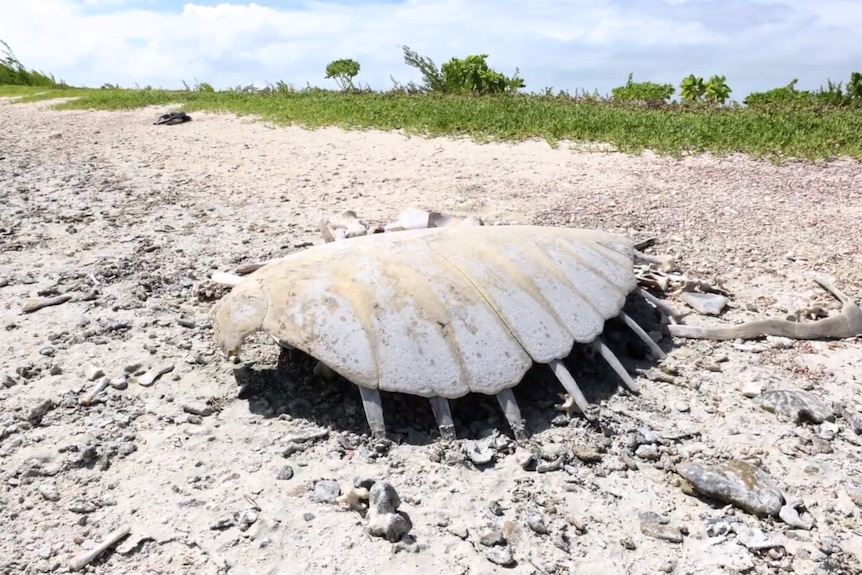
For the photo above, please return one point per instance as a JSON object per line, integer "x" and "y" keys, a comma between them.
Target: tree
{"x": 692, "y": 88}
{"x": 717, "y": 91}
{"x": 343, "y": 71}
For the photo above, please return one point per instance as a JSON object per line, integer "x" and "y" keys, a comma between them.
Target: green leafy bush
{"x": 832, "y": 95}
{"x": 643, "y": 92}
{"x": 785, "y": 96}
{"x": 470, "y": 75}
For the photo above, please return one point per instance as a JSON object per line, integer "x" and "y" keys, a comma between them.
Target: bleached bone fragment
{"x": 35, "y": 304}
{"x": 87, "y": 557}
{"x": 154, "y": 373}
{"x": 846, "y": 324}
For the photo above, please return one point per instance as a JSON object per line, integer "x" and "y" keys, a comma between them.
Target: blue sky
{"x": 588, "y": 44}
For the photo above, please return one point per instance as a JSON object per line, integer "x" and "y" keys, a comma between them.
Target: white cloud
{"x": 566, "y": 44}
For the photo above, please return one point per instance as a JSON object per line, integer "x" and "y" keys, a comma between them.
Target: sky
{"x": 563, "y": 44}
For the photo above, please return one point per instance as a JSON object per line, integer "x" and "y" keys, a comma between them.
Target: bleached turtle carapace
{"x": 442, "y": 312}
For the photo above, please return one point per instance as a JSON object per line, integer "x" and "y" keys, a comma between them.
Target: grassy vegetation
{"x": 775, "y": 125}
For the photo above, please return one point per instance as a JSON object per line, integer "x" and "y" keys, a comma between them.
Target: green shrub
{"x": 643, "y": 92}
{"x": 470, "y": 75}
{"x": 784, "y": 96}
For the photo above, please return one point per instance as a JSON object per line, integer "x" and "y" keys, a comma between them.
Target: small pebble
{"x": 458, "y": 531}
{"x": 827, "y": 431}
{"x": 285, "y": 473}
{"x": 247, "y": 518}
{"x": 82, "y": 506}
{"x": 492, "y": 538}
{"x": 49, "y": 491}
{"x": 647, "y": 451}
{"x": 326, "y": 491}
{"x": 92, "y": 373}
{"x": 779, "y": 342}
{"x": 40, "y": 410}
{"x": 501, "y": 556}
{"x": 661, "y": 531}
{"x": 751, "y": 389}
{"x": 120, "y": 382}
{"x": 586, "y": 454}
{"x": 537, "y": 523}
{"x": 198, "y": 408}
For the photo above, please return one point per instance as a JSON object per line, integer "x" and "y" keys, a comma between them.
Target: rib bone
{"x": 373, "y": 411}
{"x": 440, "y": 407}
{"x": 661, "y": 305}
{"x": 568, "y": 381}
{"x": 512, "y": 412}
{"x": 652, "y": 345}
{"x": 615, "y": 364}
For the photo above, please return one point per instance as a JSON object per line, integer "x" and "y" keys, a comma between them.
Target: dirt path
{"x": 136, "y": 217}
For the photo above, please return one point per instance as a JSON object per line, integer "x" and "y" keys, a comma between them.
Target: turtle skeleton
{"x": 448, "y": 306}
{"x": 442, "y": 312}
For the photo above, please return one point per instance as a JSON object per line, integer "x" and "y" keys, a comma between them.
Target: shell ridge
{"x": 437, "y": 311}
{"x": 553, "y": 266}
{"x": 490, "y": 306}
